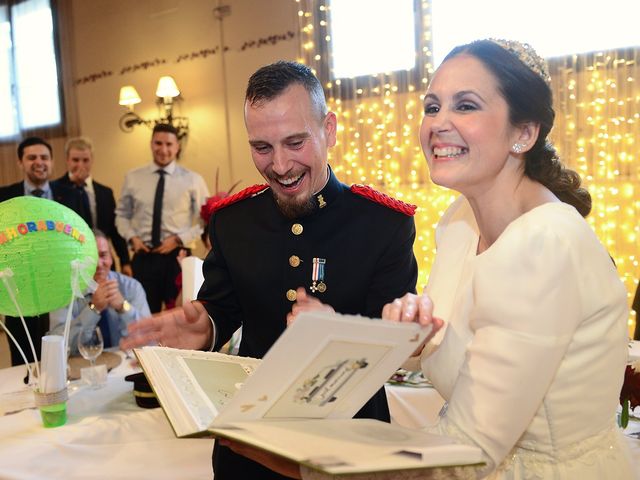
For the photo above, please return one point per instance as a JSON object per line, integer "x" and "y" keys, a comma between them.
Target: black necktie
{"x": 38, "y": 192}
{"x": 105, "y": 328}
{"x": 157, "y": 210}
{"x": 86, "y": 213}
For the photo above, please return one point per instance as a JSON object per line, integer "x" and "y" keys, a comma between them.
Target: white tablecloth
{"x": 413, "y": 407}
{"x": 107, "y": 436}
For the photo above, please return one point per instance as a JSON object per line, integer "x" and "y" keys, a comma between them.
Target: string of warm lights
{"x": 597, "y": 101}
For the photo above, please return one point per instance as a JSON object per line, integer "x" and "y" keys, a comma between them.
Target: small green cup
{"x": 54, "y": 415}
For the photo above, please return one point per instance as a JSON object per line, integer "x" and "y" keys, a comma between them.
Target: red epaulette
{"x": 382, "y": 199}
{"x": 215, "y": 203}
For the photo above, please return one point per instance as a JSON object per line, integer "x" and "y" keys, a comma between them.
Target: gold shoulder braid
{"x": 527, "y": 55}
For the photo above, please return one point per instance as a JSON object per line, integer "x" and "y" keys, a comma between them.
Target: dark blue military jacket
{"x": 259, "y": 258}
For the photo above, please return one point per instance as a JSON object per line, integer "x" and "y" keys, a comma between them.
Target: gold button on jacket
{"x": 294, "y": 261}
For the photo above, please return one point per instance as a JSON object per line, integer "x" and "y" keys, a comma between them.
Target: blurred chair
{"x": 192, "y": 279}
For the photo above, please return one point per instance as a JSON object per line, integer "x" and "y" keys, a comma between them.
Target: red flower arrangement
{"x": 630, "y": 392}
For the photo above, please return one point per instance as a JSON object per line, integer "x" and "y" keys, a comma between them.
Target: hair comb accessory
{"x": 527, "y": 55}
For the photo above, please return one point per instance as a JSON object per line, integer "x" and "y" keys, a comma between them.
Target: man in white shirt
{"x": 158, "y": 214}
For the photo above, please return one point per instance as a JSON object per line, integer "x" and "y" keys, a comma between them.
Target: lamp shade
{"x": 167, "y": 87}
{"x": 129, "y": 95}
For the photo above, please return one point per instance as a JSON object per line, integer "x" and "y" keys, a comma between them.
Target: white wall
{"x": 109, "y": 35}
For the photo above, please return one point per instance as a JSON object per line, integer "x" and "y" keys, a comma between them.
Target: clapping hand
{"x": 108, "y": 295}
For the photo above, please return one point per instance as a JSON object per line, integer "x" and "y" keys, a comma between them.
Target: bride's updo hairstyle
{"x": 524, "y": 82}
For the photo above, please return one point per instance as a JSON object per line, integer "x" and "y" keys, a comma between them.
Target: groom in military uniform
{"x": 301, "y": 242}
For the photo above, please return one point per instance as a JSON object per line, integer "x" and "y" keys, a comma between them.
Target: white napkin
{"x": 192, "y": 277}
{"x": 53, "y": 370}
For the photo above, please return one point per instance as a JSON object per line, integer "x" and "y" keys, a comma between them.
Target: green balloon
{"x": 38, "y": 241}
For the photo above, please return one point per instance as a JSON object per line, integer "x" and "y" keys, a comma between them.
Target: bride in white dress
{"x": 534, "y": 351}
{"x": 533, "y": 354}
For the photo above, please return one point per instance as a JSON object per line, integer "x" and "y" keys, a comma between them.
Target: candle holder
{"x": 53, "y": 407}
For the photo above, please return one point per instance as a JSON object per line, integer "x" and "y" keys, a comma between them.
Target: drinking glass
{"x": 90, "y": 345}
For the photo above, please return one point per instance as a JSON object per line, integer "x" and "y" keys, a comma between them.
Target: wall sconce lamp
{"x": 167, "y": 93}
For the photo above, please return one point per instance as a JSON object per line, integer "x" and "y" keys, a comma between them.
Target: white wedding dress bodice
{"x": 532, "y": 358}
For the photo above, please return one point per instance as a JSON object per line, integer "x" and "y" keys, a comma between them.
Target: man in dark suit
{"x": 35, "y": 158}
{"x": 99, "y": 204}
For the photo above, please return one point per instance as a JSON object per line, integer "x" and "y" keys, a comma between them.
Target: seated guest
{"x": 533, "y": 357}
{"x": 117, "y": 301}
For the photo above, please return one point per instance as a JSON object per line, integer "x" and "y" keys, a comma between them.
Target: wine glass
{"x": 90, "y": 345}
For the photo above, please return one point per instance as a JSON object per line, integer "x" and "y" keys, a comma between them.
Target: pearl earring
{"x": 517, "y": 147}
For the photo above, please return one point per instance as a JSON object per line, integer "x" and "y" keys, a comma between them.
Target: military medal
{"x": 317, "y": 276}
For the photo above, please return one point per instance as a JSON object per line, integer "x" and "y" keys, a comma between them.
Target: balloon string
{"x": 79, "y": 270}
{"x": 15, "y": 342}
{"x": 67, "y": 323}
{"x": 6, "y": 276}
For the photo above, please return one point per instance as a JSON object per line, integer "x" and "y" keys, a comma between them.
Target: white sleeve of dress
{"x": 526, "y": 307}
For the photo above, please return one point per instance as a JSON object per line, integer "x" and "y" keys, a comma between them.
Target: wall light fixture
{"x": 167, "y": 94}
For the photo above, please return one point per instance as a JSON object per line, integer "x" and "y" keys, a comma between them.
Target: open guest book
{"x": 298, "y": 401}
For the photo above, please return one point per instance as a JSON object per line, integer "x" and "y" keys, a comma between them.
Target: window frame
{"x": 53, "y": 130}
{"x": 368, "y": 85}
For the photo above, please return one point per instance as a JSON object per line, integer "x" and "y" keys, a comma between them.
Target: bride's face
{"x": 466, "y": 135}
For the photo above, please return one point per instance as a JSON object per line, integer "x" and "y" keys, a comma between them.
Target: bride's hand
{"x": 414, "y": 308}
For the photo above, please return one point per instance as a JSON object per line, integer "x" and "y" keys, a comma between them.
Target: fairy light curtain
{"x": 597, "y": 102}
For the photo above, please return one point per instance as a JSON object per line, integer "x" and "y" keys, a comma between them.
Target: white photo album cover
{"x": 298, "y": 401}
{"x": 325, "y": 365}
